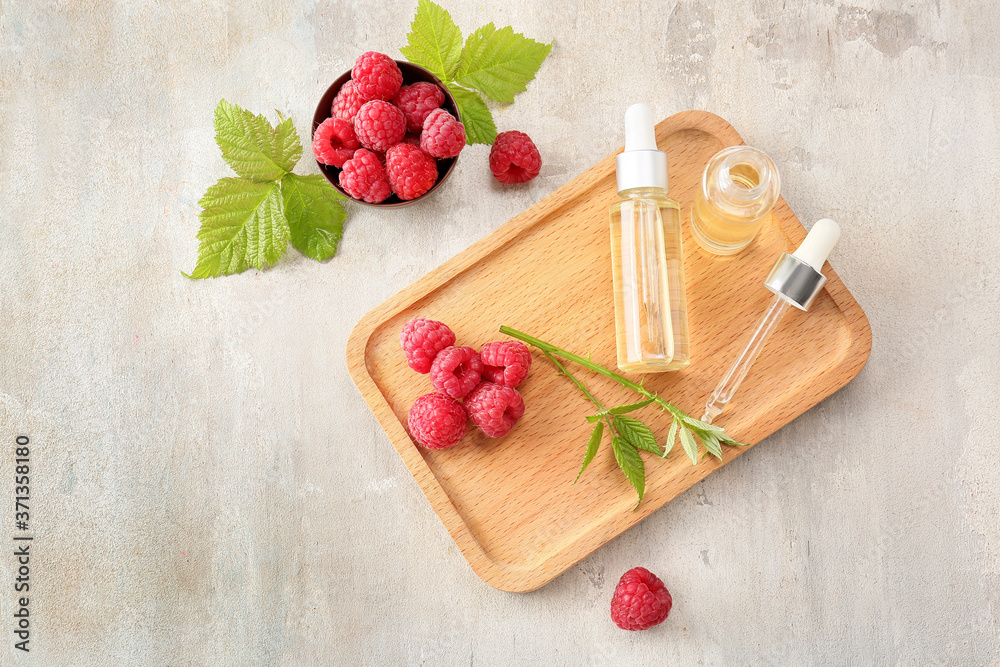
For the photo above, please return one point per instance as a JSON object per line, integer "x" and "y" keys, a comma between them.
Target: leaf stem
{"x": 552, "y": 351}
{"x": 579, "y": 384}
{"x": 582, "y": 387}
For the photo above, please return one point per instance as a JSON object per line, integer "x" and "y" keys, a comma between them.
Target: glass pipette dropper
{"x": 795, "y": 279}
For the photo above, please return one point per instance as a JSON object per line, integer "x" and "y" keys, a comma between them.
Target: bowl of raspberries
{"x": 387, "y": 133}
{"x": 467, "y": 385}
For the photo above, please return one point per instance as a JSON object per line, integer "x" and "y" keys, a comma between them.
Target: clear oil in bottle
{"x": 647, "y": 260}
{"x": 648, "y": 274}
{"x": 739, "y": 187}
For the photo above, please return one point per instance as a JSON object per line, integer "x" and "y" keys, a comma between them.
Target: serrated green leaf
{"x": 434, "y": 42}
{"x": 252, "y": 147}
{"x": 699, "y": 425}
{"x": 475, "y": 116}
{"x": 593, "y": 419}
{"x": 315, "y": 215}
{"x": 631, "y": 464}
{"x": 500, "y": 63}
{"x": 595, "y": 442}
{"x": 671, "y": 438}
{"x": 712, "y": 445}
{"x": 631, "y": 407}
{"x": 638, "y": 434}
{"x": 687, "y": 441}
{"x": 729, "y": 441}
{"x": 242, "y": 225}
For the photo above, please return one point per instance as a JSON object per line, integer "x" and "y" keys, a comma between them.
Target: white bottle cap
{"x": 642, "y": 164}
{"x": 819, "y": 243}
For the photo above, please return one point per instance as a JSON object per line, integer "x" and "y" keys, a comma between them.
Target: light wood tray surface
{"x": 510, "y": 504}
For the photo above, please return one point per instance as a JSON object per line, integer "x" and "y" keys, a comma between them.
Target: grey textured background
{"x": 209, "y": 487}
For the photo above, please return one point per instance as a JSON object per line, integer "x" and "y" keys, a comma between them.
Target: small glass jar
{"x": 739, "y": 188}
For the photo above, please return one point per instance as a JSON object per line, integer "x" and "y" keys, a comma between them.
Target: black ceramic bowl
{"x": 411, "y": 74}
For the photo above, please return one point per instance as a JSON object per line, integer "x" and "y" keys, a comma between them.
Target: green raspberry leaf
{"x": 701, "y": 427}
{"x": 729, "y": 441}
{"x": 315, "y": 215}
{"x": 631, "y": 407}
{"x": 698, "y": 425}
{"x": 631, "y": 464}
{"x": 252, "y": 147}
{"x": 595, "y": 442}
{"x": 712, "y": 445}
{"x": 638, "y": 434}
{"x": 687, "y": 441}
{"x": 671, "y": 438}
{"x": 434, "y": 42}
{"x": 242, "y": 225}
{"x": 476, "y": 117}
{"x": 500, "y": 63}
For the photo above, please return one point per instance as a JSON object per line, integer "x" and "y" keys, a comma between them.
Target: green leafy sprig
{"x": 248, "y": 221}
{"x": 498, "y": 63}
{"x": 628, "y": 434}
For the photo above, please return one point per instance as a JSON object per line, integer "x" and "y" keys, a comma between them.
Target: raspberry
{"x": 364, "y": 178}
{"x": 506, "y": 362}
{"x": 347, "y": 102}
{"x": 376, "y": 76}
{"x": 416, "y": 101}
{"x": 494, "y": 408}
{"x": 334, "y": 142}
{"x": 422, "y": 339}
{"x": 443, "y": 136}
{"x": 456, "y": 371}
{"x": 379, "y": 125}
{"x": 640, "y": 600}
{"x": 436, "y": 421}
{"x": 514, "y": 158}
{"x": 412, "y": 172}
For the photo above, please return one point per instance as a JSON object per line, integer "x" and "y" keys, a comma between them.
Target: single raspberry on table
{"x": 443, "y": 136}
{"x": 364, "y": 178}
{"x": 494, "y": 408}
{"x": 456, "y": 371}
{"x": 347, "y": 102}
{"x": 412, "y": 172}
{"x": 379, "y": 125}
{"x": 422, "y": 339}
{"x": 505, "y": 362}
{"x": 334, "y": 142}
{"x": 436, "y": 421}
{"x": 416, "y": 101}
{"x": 640, "y": 600}
{"x": 376, "y": 76}
{"x": 514, "y": 158}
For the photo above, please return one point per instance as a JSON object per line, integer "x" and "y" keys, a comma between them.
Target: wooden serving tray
{"x": 510, "y": 504}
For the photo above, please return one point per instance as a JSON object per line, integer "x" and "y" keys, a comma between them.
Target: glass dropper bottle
{"x": 647, "y": 260}
{"x": 795, "y": 279}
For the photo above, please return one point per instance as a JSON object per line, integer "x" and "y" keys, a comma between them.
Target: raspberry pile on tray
{"x": 467, "y": 384}
{"x": 400, "y": 132}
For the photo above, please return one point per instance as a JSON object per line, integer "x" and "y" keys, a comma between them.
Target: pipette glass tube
{"x": 734, "y": 376}
{"x": 795, "y": 279}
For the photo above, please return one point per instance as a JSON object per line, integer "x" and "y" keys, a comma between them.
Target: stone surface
{"x": 208, "y": 486}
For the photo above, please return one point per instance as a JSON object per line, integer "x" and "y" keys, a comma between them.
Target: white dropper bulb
{"x": 819, "y": 243}
{"x": 641, "y": 164}
{"x": 639, "y": 134}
